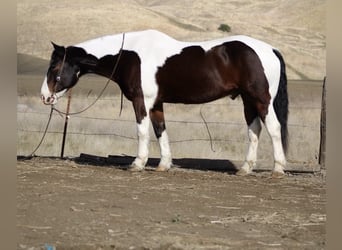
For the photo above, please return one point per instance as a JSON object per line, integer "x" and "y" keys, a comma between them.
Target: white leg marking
{"x": 273, "y": 128}
{"x": 166, "y": 159}
{"x": 143, "y": 143}
{"x": 253, "y": 134}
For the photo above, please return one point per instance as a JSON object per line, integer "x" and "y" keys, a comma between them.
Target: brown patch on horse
{"x": 194, "y": 76}
{"x": 191, "y": 77}
{"x": 128, "y": 77}
{"x": 157, "y": 119}
{"x": 253, "y": 84}
{"x": 232, "y": 68}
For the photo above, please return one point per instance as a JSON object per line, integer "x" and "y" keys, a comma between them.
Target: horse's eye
{"x": 58, "y": 78}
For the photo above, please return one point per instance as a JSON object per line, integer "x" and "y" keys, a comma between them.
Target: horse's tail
{"x": 281, "y": 102}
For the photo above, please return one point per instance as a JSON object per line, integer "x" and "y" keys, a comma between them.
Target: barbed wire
{"x": 131, "y": 137}
{"x": 223, "y": 123}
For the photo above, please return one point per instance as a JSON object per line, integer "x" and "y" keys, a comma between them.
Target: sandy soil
{"x": 77, "y": 204}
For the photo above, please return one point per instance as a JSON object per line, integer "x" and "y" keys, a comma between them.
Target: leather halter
{"x": 58, "y": 77}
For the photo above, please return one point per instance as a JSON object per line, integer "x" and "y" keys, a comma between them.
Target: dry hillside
{"x": 297, "y": 28}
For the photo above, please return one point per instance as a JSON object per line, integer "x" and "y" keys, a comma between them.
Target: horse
{"x": 152, "y": 68}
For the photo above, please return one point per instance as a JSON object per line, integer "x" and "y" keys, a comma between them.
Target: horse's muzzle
{"x": 49, "y": 100}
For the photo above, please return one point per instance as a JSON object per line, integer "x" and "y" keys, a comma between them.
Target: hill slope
{"x": 29, "y": 64}
{"x": 297, "y": 28}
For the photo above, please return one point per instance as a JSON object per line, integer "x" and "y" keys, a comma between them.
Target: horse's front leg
{"x": 158, "y": 123}
{"x": 143, "y": 143}
{"x": 143, "y": 123}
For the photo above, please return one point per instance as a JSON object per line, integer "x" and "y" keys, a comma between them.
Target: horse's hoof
{"x": 135, "y": 168}
{"x": 277, "y": 175}
{"x": 161, "y": 168}
{"x": 242, "y": 172}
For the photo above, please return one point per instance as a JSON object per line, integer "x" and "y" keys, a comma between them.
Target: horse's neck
{"x": 108, "y": 67}
{"x": 111, "y": 65}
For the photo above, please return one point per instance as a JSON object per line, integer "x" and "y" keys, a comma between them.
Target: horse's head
{"x": 63, "y": 73}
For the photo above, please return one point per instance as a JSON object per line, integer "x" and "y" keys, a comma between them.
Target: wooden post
{"x": 322, "y": 146}
{"x": 66, "y": 123}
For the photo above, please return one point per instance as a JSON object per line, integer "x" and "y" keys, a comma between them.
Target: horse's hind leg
{"x": 252, "y": 116}
{"x": 274, "y": 129}
{"x": 254, "y": 129}
{"x": 158, "y": 123}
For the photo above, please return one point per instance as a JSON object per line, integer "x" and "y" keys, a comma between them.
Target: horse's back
{"x": 162, "y": 46}
{"x": 154, "y": 48}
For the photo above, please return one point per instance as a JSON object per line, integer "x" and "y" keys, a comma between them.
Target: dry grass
{"x": 297, "y": 28}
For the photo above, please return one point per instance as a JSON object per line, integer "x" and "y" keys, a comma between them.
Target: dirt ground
{"x": 81, "y": 204}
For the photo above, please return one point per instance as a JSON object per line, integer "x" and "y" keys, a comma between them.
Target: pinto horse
{"x": 153, "y": 68}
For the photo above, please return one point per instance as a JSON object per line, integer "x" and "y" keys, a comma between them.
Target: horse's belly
{"x": 192, "y": 92}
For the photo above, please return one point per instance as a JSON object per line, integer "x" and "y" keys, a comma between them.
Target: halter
{"x": 102, "y": 91}
{"x": 58, "y": 77}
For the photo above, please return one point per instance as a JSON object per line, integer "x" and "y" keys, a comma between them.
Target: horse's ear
{"x": 57, "y": 47}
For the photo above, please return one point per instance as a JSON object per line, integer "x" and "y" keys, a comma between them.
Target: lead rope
{"x": 64, "y": 113}
{"x": 121, "y": 103}
{"x": 46, "y": 128}
{"x": 103, "y": 90}
{"x": 207, "y": 127}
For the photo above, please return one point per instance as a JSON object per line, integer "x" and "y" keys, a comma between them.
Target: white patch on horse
{"x": 47, "y": 96}
{"x": 143, "y": 143}
{"x": 45, "y": 92}
{"x": 254, "y": 130}
{"x": 165, "y": 152}
{"x": 273, "y": 127}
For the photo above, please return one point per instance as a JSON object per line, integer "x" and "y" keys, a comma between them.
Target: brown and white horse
{"x": 154, "y": 68}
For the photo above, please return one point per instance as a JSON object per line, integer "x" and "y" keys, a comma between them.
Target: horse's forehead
{"x": 55, "y": 61}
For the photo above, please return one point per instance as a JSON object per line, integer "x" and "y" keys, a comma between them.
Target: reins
{"x": 58, "y": 78}
{"x": 208, "y": 130}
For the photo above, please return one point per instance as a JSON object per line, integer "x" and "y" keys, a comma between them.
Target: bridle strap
{"x": 58, "y": 77}
{"x": 106, "y": 85}
{"x": 60, "y": 112}
{"x": 63, "y": 62}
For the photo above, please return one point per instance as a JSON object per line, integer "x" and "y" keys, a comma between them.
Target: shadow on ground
{"x": 186, "y": 163}
{"x": 123, "y": 162}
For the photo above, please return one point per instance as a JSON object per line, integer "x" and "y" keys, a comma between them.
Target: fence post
{"x": 322, "y": 145}
{"x": 66, "y": 123}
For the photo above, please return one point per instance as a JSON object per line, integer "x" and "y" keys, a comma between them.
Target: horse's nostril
{"x": 48, "y": 100}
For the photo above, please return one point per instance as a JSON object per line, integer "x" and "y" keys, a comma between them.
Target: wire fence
{"x": 101, "y": 131}
{"x": 21, "y": 128}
